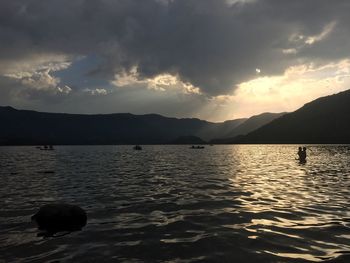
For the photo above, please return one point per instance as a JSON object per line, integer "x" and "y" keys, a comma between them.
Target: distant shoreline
{"x": 302, "y": 143}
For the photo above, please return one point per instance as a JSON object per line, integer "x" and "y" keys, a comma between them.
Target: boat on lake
{"x": 197, "y": 147}
{"x": 45, "y": 148}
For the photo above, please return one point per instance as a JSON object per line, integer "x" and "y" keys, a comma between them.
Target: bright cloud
{"x": 161, "y": 82}
{"x": 95, "y": 92}
{"x": 325, "y": 32}
{"x": 297, "y": 86}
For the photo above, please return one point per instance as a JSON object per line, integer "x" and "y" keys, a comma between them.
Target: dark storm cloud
{"x": 209, "y": 43}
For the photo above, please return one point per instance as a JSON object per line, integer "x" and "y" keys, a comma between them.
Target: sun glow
{"x": 297, "y": 86}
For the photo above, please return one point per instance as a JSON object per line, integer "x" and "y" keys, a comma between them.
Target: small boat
{"x": 137, "y": 147}
{"x": 46, "y": 148}
{"x": 197, "y": 147}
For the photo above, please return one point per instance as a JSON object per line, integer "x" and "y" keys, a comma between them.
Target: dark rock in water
{"x": 54, "y": 218}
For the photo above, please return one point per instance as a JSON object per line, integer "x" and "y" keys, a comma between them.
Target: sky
{"x": 210, "y": 59}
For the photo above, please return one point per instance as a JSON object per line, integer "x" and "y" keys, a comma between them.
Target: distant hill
{"x": 23, "y": 127}
{"x": 324, "y": 120}
{"x": 188, "y": 140}
{"x": 249, "y": 125}
{"x": 219, "y": 130}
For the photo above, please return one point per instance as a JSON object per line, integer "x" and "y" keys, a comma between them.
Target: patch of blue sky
{"x": 77, "y": 76}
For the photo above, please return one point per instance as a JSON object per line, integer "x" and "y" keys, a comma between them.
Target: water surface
{"x": 175, "y": 204}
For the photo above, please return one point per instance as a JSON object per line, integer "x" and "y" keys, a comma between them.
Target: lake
{"x": 227, "y": 203}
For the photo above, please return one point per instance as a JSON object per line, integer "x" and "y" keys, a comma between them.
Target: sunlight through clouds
{"x": 297, "y": 86}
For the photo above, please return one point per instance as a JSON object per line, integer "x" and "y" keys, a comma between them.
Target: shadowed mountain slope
{"x": 249, "y": 125}
{"x": 23, "y": 127}
{"x": 324, "y": 120}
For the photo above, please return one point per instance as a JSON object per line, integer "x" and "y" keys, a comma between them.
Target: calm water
{"x": 174, "y": 204}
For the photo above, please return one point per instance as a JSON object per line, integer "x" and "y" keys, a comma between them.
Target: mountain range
{"x": 24, "y": 127}
{"x": 325, "y": 120}
{"x": 248, "y": 126}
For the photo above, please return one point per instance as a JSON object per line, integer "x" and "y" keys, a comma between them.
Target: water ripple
{"x": 172, "y": 204}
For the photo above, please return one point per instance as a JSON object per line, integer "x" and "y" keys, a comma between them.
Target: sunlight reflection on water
{"x": 171, "y": 203}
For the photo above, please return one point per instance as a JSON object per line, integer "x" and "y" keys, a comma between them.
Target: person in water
{"x": 302, "y": 154}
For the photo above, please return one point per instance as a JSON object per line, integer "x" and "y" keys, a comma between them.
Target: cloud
{"x": 33, "y": 79}
{"x": 26, "y": 93}
{"x": 42, "y": 80}
{"x": 161, "y": 54}
{"x": 95, "y": 92}
{"x": 163, "y": 82}
{"x": 289, "y": 91}
{"x": 212, "y": 44}
{"x": 325, "y": 32}
{"x": 27, "y": 65}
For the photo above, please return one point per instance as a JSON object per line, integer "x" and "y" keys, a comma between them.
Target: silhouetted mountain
{"x": 188, "y": 140}
{"x": 249, "y": 125}
{"x": 324, "y": 120}
{"x": 219, "y": 130}
{"x": 30, "y": 127}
